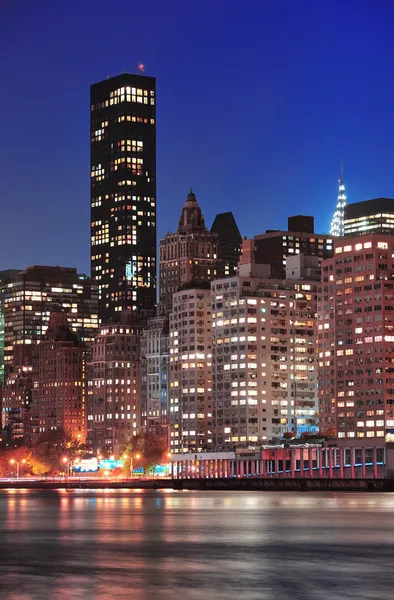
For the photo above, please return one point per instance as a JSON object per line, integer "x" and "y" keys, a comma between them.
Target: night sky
{"x": 256, "y": 103}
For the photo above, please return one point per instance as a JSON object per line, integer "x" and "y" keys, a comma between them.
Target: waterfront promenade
{"x": 300, "y": 468}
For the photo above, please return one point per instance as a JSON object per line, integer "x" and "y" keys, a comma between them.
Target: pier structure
{"x": 279, "y": 462}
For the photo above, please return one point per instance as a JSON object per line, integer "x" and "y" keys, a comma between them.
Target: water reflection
{"x": 193, "y": 545}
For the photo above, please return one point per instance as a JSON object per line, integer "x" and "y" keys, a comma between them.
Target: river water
{"x": 148, "y": 545}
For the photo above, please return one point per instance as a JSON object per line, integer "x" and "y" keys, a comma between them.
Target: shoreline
{"x": 252, "y": 484}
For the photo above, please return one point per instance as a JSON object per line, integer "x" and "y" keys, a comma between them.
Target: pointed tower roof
{"x": 338, "y": 220}
{"x": 192, "y": 219}
{"x": 191, "y": 197}
{"x": 226, "y": 227}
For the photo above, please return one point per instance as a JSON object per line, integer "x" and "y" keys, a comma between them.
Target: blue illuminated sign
{"x": 110, "y": 463}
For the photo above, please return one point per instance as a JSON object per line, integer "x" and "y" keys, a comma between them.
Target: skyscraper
{"x": 123, "y": 193}
{"x": 356, "y": 335}
{"x": 189, "y": 256}
{"x": 337, "y": 223}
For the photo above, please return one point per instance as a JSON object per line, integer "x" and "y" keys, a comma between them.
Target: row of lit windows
{"x": 134, "y": 119}
{"x": 128, "y": 417}
{"x": 366, "y": 217}
{"x": 134, "y": 145}
{"x": 361, "y": 434}
{"x": 312, "y": 240}
{"x": 130, "y": 90}
{"x": 360, "y": 246}
{"x": 127, "y": 94}
{"x": 128, "y": 160}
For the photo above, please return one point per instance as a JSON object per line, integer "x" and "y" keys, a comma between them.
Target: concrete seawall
{"x": 290, "y": 485}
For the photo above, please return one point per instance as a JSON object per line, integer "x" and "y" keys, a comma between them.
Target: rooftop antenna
{"x": 141, "y": 68}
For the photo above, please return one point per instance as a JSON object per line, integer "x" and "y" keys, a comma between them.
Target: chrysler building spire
{"x": 337, "y": 223}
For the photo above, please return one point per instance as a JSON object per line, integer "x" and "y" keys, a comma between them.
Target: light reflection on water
{"x": 210, "y": 545}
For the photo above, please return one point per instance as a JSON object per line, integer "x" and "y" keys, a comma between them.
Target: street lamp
{"x": 136, "y": 456}
{"x": 17, "y": 463}
{"x": 125, "y": 457}
{"x": 67, "y": 463}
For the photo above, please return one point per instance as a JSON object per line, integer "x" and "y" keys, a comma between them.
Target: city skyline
{"x": 196, "y": 299}
{"x": 293, "y": 148}
{"x": 123, "y": 202}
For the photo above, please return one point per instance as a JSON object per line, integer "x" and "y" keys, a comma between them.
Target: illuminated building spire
{"x": 337, "y": 223}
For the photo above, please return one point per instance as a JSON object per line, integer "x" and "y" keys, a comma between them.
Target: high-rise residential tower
{"x": 338, "y": 220}
{"x": 123, "y": 193}
{"x": 356, "y": 339}
{"x": 190, "y": 372}
{"x": 264, "y": 359}
{"x": 114, "y": 401}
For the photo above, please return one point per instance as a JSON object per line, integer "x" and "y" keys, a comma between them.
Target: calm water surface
{"x": 148, "y": 545}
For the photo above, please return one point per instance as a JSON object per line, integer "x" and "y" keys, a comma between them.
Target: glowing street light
{"x": 68, "y": 465}
{"x": 136, "y": 456}
{"x": 17, "y": 463}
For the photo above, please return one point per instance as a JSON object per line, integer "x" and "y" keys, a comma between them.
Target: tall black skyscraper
{"x": 123, "y": 193}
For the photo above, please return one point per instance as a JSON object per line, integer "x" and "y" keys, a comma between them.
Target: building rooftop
{"x": 369, "y": 207}
{"x": 226, "y": 227}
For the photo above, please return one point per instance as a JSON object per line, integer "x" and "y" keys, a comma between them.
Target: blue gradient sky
{"x": 256, "y": 100}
